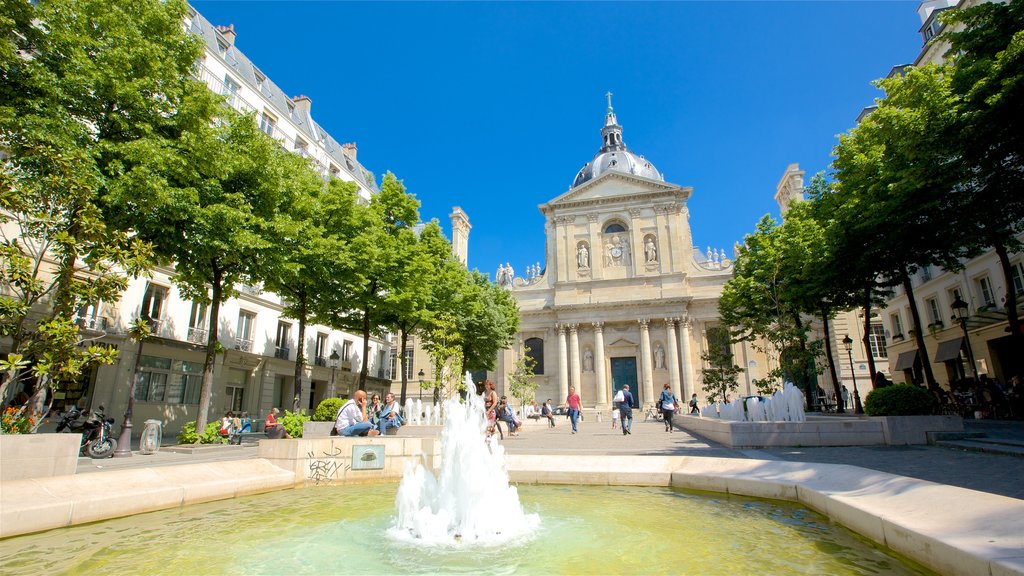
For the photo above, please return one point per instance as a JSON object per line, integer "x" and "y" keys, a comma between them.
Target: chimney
{"x": 349, "y": 149}
{"x": 302, "y": 103}
{"x": 228, "y": 32}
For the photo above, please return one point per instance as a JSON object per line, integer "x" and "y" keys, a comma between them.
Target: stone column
{"x": 563, "y": 365}
{"x": 689, "y": 385}
{"x": 574, "y": 358}
{"x": 673, "y": 358}
{"x": 647, "y": 383}
{"x": 601, "y": 381}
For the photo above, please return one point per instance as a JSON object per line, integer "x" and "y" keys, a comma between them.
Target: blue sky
{"x": 494, "y": 107}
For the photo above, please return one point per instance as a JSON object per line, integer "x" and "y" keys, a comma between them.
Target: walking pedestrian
{"x": 626, "y": 410}
{"x": 669, "y": 403}
{"x": 572, "y": 401}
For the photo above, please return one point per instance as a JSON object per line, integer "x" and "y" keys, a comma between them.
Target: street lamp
{"x": 960, "y": 314}
{"x": 333, "y": 362}
{"x": 421, "y": 375}
{"x": 857, "y": 408}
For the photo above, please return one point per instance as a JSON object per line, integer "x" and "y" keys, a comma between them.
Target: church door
{"x": 623, "y": 373}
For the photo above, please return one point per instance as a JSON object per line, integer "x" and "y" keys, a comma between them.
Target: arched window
{"x": 535, "y": 350}
{"x": 614, "y": 227}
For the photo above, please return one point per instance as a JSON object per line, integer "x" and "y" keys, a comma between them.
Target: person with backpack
{"x": 668, "y": 403}
{"x": 546, "y": 412}
{"x": 693, "y": 405}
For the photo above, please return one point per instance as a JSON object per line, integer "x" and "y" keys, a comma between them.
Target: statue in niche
{"x": 650, "y": 250}
{"x": 588, "y": 360}
{"x": 583, "y": 256}
{"x": 659, "y": 357}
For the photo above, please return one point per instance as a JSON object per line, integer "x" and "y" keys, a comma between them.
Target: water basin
{"x": 350, "y": 530}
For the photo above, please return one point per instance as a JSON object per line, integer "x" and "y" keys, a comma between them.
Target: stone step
{"x": 1005, "y": 447}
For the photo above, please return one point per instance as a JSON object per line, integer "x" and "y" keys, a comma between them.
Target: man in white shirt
{"x": 352, "y": 420}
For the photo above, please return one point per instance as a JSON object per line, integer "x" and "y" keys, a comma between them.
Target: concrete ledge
{"x": 330, "y": 459}
{"x": 33, "y": 505}
{"x": 25, "y": 456}
{"x": 828, "y": 431}
{"x": 951, "y": 530}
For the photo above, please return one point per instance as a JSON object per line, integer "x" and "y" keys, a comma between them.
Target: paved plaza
{"x": 985, "y": 472}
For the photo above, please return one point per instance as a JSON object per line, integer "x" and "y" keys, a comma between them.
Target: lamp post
{"x": 421, "y": 375}
{"x": 857, "y": 408}
{"x": 960, "y": 314}
{"x": 333, "y": 361}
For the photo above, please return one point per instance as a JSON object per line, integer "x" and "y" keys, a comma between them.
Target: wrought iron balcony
{"x": 243, "y": 344}
{"x": 282, "y": 353}
{"x": 197, "y": 335}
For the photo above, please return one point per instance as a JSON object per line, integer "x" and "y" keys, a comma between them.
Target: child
{"x": 615, "y": 418}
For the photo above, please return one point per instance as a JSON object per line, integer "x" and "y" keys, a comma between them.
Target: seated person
{"x": 352, "y": 419}
{"x": 548, "y": 413}
{"x": 390, "y": 416}
{"x": 246, "y": 423}
{"x": 275, "y": 431}
{"x": 531, "y": 410}
{"x": 508, "y": 414}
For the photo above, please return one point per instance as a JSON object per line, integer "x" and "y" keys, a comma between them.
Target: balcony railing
{"x": 197, "y": 335}
{"x": 154, "y": 325}
{"x": 98, "y": 323}
{"x": 320, "y": 361}
{"x": 243, "y": 344}
{"x": 282, "y": 353}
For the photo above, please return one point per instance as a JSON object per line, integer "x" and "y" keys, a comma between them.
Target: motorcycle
{"x": 97, "y": 438}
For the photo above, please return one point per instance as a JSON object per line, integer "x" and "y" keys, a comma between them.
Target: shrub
{"x": 328, "y": 408}
{"x": 327, "y": 411}
{"x": 292, "y": 422}
{"x": 899, "y": 400}
{"x": 210, "y": 436}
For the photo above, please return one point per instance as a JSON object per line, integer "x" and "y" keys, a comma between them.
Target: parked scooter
{"x": 97, "y": 437}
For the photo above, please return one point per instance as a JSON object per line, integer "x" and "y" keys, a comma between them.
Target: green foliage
{"x": 720, "y": 372}
{"x": 327, "y": 410}
{"x": 211, "y": 435}
{"x": 292, "y": 422}
{"x": 521, "y": 382}
{"x": 899, "y": 400}
{"x": 17, "y": 421}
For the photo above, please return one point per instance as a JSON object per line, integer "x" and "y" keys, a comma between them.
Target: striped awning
{"x": 905, "y": 361}
{"x": 949, "y": 350}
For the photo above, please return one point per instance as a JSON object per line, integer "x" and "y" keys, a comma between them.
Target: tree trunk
{"x": 211, "y": 354}
{"x": 872, "y": 369}
{"x": 831, "y": 363}
{"x": 365, "y": 368}
{"x": 405, "y": 382}
{"x": 1016, "y": 336}
{"x": 300, "y": 355}
{"x": 922, "y": 351}
{"x": 805, "y": 381}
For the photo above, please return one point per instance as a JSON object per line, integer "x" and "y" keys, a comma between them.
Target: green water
{"x": 344, "y": 530}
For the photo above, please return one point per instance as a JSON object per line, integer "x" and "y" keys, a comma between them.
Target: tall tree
{"x": 306, "y": 249}
{"x": 891, "y": 185}
{"x": 93, "y": 95}
{"x": 220, "y": 220}
{"x": 422, "y": 289}
{"x": 383, "y": 232}
{"x": 987, "y": 138}
{"x": 487, "y": 318}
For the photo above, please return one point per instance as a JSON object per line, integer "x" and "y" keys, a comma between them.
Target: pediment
{"x": 612, "y": 186}
{"x": 623, "y": 342}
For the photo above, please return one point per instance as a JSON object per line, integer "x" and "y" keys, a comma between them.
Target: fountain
{"x": 786, "y": 405}
{"x": 470, "y": 500}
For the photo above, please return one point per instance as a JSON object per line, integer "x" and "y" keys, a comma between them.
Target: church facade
{"x": 625, "y": 297}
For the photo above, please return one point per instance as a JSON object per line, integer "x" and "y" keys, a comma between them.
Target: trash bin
{"x": 149, "y": 442}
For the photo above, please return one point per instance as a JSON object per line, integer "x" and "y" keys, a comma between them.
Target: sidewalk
{"x": 985, "y": 472}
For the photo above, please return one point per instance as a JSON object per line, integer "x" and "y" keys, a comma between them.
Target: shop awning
{"x": 949, "y": 350}
{"x": 905, "y": 361}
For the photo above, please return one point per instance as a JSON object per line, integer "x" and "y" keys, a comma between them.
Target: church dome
{"x": 614, "y": 156}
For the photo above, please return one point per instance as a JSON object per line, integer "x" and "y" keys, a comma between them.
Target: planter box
{"x": 900, "y": 430}
{"x": 316, "y": 429}
{"x": 24, "y": 456}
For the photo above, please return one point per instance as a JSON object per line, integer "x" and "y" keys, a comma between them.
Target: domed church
{"x": 625, "y": 296}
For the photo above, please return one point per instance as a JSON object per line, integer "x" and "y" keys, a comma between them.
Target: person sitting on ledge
{"x": 352, "y": 419}
{"x": 274, "y": 430}
{"x": 390, "y": 416}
